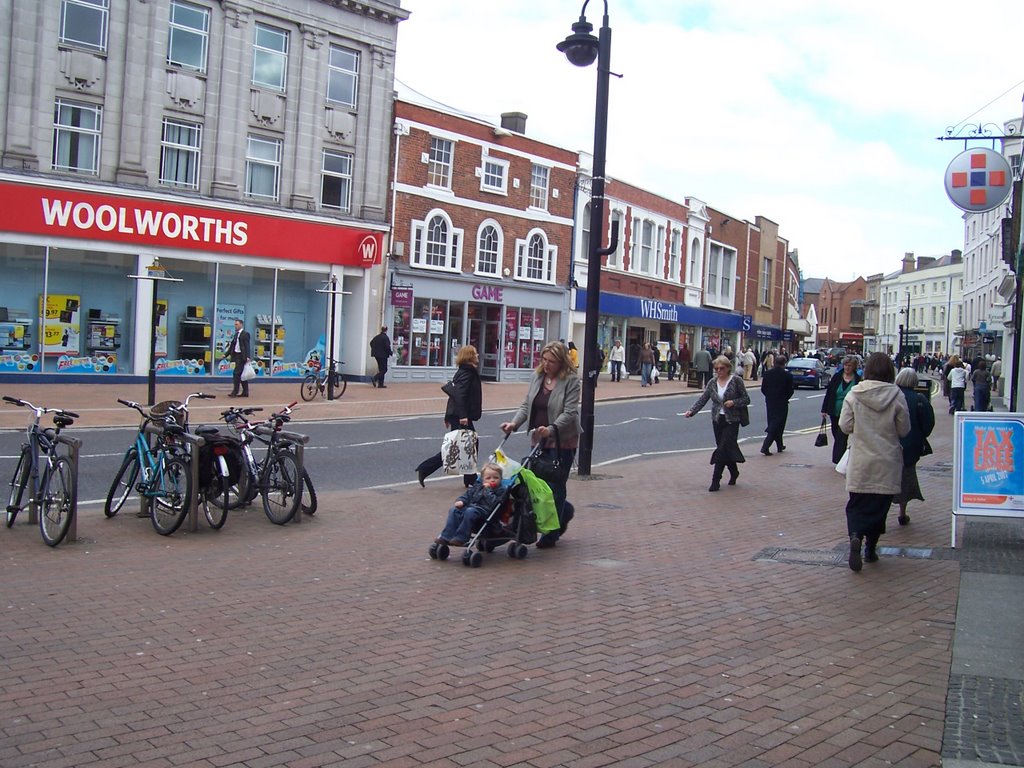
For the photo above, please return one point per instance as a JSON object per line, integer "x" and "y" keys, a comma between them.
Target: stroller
{"x": 511, "y": 521}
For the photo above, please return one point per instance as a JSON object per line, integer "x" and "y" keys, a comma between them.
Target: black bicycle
{"x": 46, "y": 475}
{"x": 275, "y": 478}
{"x": 316, "y": 383}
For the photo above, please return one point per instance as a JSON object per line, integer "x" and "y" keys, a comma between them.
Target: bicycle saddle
{"x": 63, "y": 421}
{"x": 207, "y": 429}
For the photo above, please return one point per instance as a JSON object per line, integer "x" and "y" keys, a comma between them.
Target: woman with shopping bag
{"x": 465, "y": 406}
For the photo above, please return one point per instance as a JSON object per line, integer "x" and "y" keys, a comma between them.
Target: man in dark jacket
{"x": 702, "y": 365}
{"x": 380, "y": 350}
{"x": 778, "y": 387}
{"x": 238, "y": 351}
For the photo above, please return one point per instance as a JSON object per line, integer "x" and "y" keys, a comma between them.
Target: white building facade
{"x": 925, "y": 297}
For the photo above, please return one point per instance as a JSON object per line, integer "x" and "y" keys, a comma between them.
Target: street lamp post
{"x": 581, "y": 48}
{"x": 904, "y": 332}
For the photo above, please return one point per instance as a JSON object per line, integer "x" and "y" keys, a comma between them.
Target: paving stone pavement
{"x": 669, "y": 627}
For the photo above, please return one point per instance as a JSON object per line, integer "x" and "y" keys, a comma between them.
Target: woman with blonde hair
{"x": 551, "y": 411}
{"x": 729, "y": 398}
{"x": 465, "y": 406}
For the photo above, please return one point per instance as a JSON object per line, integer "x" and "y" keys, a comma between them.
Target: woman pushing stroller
{"x": 551, "y": 411}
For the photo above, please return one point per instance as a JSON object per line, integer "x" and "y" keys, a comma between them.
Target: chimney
{"x": 925, "y": 261}
{"x": 514, "y": 121}
{"x": 908, "y": 262}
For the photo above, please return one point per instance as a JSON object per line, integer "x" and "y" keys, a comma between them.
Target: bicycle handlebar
{"x": 39, "y": 409}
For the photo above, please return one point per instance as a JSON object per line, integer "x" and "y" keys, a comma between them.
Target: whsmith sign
{"x": 657, "y": 310}
{"x": 661, "y": 311}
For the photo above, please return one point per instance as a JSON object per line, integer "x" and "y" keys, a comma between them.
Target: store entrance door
{"x": 484, "y": 329}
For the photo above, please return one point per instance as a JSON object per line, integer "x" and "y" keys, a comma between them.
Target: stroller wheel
{"x": 476, "y": 560}
{"x": 512, "y": 550}
{"x": 522, "y": 551}
{"x": 433, "y": 551}
{"x": 438, "y": 551}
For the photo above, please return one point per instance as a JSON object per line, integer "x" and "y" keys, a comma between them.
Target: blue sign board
{"x": 986, "y": 478}
{"x": 663, "y": 311}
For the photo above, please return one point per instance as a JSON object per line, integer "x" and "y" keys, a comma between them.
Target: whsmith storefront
{"x": 76, "y": 298}
{"x": 636, "y": 320}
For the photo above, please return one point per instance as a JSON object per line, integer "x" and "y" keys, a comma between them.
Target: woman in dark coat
{"x": 465, "y": 406}
{"x": 728, "y": 396}
{"x": 922, "y": 422}
{"x": 844, "y": 379}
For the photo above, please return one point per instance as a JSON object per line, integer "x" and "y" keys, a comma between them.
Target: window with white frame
{"x": 588, "y": 211}
{"x": 436, "y": 244}
{"x": 535, "y": 259}
{"x": 77, "y": 129}
{"x": 439, "y": 163}
{"x": 539, "y": 177}
{"x": 270, "y": 57}
{"x": 727, "y": 275}
{"x": 336, "y": 181}
{"x": 766, "y": 282}
{"x": 712, "y": 284}
{"x": 659, "y": 252}
{"x": 634, "y": 245}
{"x": 189, "y": 36}
{"x": 693, "y": 273}
{"x": 615, "y": 259}
{"x": 342, "y": 76}
{"x": 262, "y": 168}
{"x": 83, "y": 23}
{"x": 180, "y": 145}
{"x": 494, "y": 175}
{"x": 647, "y": 248}
{"x": 675, "y": 255}
{"x": 488, "y": 249}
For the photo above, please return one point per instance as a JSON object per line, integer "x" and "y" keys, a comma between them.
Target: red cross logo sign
{"x": 978, "y": 180}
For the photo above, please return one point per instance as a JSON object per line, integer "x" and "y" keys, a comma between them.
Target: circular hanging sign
{"x": 978, "y": 180}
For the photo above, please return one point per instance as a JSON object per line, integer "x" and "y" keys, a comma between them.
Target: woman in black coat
{"x": 465, "y": 406}
{"x": 922, "y": 422}
{"x": 844, "y": 379}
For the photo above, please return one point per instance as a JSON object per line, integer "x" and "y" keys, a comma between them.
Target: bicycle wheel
{"x": 308, "y": 494}
{"x": 216, "y": 504}
{"x": 56, "y": 509}
{"x": 310, "y": 386}
{"x": 340, "y": 384}
{"x": 123, "y": 483}
{"x": 19, "y": 482}
{"x": 172, "y": 496}
{"x": 238, "y": 493}
{"x": 281, "y": 487}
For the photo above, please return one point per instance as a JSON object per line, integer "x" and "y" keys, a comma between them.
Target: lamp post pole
{"x": 580, "y": 48}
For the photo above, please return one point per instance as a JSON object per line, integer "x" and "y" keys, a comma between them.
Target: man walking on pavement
{"x": 702, "y": 365}
{"x": 777, "y": 386}
{"x": 238, "y": 351}
{"x": 380, "y": 350}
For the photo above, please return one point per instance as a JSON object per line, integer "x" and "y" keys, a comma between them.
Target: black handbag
{"x": 448, "y": 388}
{"x": 744, "y": 416}
{"x": 822, "y": 439}
{"x": 548, "y": 469}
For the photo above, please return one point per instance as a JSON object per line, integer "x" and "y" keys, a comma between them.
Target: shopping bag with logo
{"x": 459, "y": 452}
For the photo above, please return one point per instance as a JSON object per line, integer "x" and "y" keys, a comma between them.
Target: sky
{"x": 819, "y": 115}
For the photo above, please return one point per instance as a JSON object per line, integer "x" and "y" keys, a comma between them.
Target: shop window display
{"x": 436, "y": 331}
{"x": 22, "y": 268}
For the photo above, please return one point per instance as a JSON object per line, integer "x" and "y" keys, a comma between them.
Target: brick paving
{"x": 656, "y": 633}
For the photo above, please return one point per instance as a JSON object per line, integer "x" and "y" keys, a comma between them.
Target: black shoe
{"x": 855, "y": 561}
{"x": 870, "y": 554}
{"x": 232, "y": 395}
{"x": 374, "y": 383}
{"x": 766, "y": 452}
{"x": 781, "y": 448}
{"x": 715, "y": 486}
{"x": 421, "y": 476}
{"x": 732, "y": 477}
{"x": 903, "y": 519}
{"x": 382, "y": 386}
{"x": 547, "y": 541}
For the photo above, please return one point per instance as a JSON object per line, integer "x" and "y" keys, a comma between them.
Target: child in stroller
{"x": 473, "y": 507}
{"x": 491, "y": 512}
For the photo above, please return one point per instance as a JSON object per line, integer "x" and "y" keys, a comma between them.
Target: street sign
{"x": 978, "y": 180}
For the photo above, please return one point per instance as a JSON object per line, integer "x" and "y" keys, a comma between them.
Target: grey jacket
{"x": 875, "y": 415}
{"x": 563, "y": 405}
{"x": 735, "y": 390}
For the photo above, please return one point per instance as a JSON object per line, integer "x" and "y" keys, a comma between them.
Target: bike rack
{"x": 74, "y": 445}
{"x": 298, "y": 441}
{"x": 197, "y": 442}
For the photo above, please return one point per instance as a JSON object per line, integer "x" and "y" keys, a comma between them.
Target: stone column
{"x": 232, "y": 96}
{"x": 307, "y": 108}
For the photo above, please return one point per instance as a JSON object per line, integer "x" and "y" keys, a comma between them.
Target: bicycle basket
{"x": 164, "y": 408}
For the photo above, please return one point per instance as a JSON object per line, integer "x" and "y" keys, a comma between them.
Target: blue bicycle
{"x": 166, "y": 480}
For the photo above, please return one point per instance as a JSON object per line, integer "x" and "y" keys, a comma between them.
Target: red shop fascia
{"x": 60, "y": 210}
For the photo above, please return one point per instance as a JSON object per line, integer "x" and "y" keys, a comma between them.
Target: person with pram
{"x": 472, "y": 507}
{"x": 551, "y": 410}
